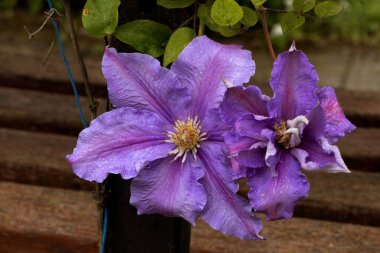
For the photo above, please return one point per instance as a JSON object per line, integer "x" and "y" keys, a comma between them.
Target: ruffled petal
{"x": 337, "y": 123}
{"x": 252, "y": 126}
{"x": 276, "y": 193}
{"x": 121, "y": 141}
{"x": 225, "y": 210}
{"x": 254, "y": 158}
{"x": 293, "y": 82}
{"x": 236, "y": 143}
{"x": 320, "y": 156}
{"x": 207, "y": 68}
{"x": 170, "y": 188}
{"x": 240, "y": 101}
{"x": 214, "y": 126}
{"x": 138, "y": 80}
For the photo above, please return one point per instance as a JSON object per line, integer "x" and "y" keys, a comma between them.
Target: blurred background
{"x": 44, "y": 207}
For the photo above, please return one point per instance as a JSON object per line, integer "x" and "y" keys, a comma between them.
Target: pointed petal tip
{"x": 293, "y": 47}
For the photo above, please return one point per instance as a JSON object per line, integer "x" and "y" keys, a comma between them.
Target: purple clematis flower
{"x": 166, "y": 134}
{"x": 274, "y": 138}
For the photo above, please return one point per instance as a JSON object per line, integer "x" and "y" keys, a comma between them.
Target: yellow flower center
{"x": 282, "y": 137}
{"x": 187, "y": 137}
{"x": 288, "y": 134}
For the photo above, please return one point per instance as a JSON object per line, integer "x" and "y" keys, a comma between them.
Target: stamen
{"x": 289, "y": 134}
{"x": 187, "y": 137}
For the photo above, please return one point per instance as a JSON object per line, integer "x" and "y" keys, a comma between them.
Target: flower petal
{"x": 254, "y": 158}
{"x": 138, "y": 80}
{"x": 337, "y": 123}
{"x": 320, "y": 156}
{"x": 240, "y": 101}
{"x": 208, "y": 68}
{"x": 121, "y": 141}
{"x": 236, "y": 143}
{"x": 250, "y": 125}
{"x": 214, "y": 126}
{"x": 276, "y": 194}
{"x": 170, "y": 188}
{"x": 225, "y": 210}
{"x": 293, "y": 82}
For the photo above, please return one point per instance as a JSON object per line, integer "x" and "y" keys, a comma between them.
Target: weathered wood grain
{"x": 294, "y": 235}
{"x": 37, "y": 158}
{"x": 40, "y": 219}
{"x": 47, "y": 220}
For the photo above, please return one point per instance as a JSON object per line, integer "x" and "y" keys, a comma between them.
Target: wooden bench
{"x": 44, "y": 207}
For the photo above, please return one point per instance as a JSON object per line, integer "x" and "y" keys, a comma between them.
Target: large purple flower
{"x": 166, "y": 134}
{"x": 274, "y": 138}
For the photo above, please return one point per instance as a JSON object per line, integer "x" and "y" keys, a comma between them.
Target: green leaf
{"x": 145, "y": 36}
{"x": 226, "y": 12}
{"x": 226, "y": 31}
{"x": 204, "y": 15}
{"x": 172, "y": 4}
{"x": 100, "y": 17}
{"x": 327, "y": 8}
{"x": 258, "y": 3}
{"x": 290, "y": 21}
{"x": 249, "y": 17}
{"x": 303, "y": 5}
{"x": 177, "y": 42}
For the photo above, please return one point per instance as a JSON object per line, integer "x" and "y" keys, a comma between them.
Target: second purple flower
{"x": 274, "y": 138}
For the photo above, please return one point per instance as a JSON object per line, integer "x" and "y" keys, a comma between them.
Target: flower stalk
{"x": 261, "y": 11}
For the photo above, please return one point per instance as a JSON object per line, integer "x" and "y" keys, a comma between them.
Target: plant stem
{"x": 201, "y": 28}
{"x": 261, "y": 10}
{"x": 92, "y": 104}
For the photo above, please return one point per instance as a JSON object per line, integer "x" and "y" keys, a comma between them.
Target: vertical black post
{"x": 128, "y": 232}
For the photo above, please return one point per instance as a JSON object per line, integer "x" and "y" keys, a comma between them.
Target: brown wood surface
{"x": 41, "y": 219}
{"x": 39, "y": 123}
{"x": 47, "y": 220}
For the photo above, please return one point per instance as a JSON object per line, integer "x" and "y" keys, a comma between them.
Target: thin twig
{"x": 51, "y": 14}
{"x": 261, "y": 11}
{"x": 92, "y": 103}
{"x": 187, "y": 21}
{"x": 49, "y": 51}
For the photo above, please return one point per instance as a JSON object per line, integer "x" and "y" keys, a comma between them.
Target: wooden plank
{"x": 36, "y": 158}
{"x": 40, "y": 219}
{"x": 40, "y": 111}
{"x": 350, "y": 198}
{"x": 361, "y": 149}
{"x": 361, "y": 107}
{"x": 343, "y": 197}
{"x": 294, "y": 235}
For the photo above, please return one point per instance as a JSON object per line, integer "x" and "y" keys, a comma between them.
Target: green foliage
{"x": 204, "y": 14}
{"x": 7, "y": 6}
{"x": 249, "y": 17}
{"x": 172, "y": 4}
{"x": 226, "y": 12}
{"x": 328, "y": 8}
{"x": 303, "y": 5}
{"x": 145, "y": 36}
{"x": 100, "y": 17}
{"x": 258, "y": 3}
{"x": 177, "y": 42}
{"x": 291, "y": 21}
